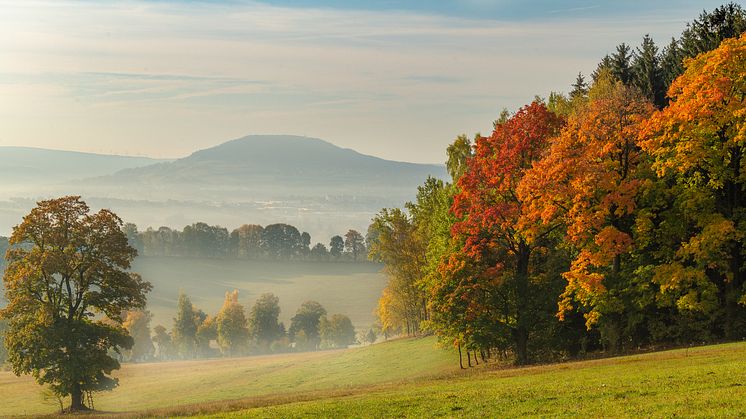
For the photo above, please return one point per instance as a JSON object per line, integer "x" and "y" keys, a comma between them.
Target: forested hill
{"x": 271, "y": 165}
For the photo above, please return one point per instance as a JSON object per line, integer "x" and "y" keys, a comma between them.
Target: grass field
{"x": 292, "y": 376}
{"x": 413, "y": 378}
{"x": 699, "y": 382}
{"x": 348, "y": 288}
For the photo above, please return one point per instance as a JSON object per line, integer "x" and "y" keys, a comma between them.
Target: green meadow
{"x": 700, "y": 382}
{"x": 416, "y": 378}
{"x": 180, "y": 385}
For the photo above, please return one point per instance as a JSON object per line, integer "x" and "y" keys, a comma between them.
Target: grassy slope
{"x": 702, "y": 382}
{"x": 349, "y": 288}
{"x": 148, "y": 386}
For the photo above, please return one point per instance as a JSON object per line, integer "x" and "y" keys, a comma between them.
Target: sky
{"x": 398, "y": 80}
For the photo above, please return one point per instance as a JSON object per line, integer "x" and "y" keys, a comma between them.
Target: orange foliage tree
{"x": 698, "y": 144}
{"x": 590, "y": 180}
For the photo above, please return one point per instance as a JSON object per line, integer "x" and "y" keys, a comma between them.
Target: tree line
{"x": 235, "y": 331}
{"x": 606, "y": 219}
{"x": 250, "y": 241}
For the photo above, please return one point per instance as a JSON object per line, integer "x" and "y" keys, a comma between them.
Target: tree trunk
{"x": 460, "y": 360}
{"x": 468, "y": 358}
{"x": 520, "y": 333}
{"x": 76, "y": 397}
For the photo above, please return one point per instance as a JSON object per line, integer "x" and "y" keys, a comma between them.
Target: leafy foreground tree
{"x": 68, "y": 269}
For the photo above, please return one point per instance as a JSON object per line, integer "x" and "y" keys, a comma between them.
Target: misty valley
{"x": 581, "y": 254}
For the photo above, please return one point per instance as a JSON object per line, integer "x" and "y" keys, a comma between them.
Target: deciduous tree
{"x": 699, "y": 143}
{"x": 69, "y": 267}
{"x": 232, "y": 326}
{"x": 493, "y": 230}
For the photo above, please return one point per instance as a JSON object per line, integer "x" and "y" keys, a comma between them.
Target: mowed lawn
{"x": 700, "y": 382}
{"x": 348, "y": 288}
{"x": 170, "y": 384}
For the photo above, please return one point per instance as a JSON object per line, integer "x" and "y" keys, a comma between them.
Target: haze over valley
{"x": 260, "y": 179}
{"x": 324, "y": 208}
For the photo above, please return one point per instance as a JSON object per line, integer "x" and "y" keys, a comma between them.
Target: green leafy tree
{"x": 185, "y": 328}
{"x": 305, "y": 244}
{"x": 246, "y": 241}
{"x": 371, "y": 336}
{"x": 306, "y": 322}
{"x": 336, "y": 246}
{"x": 319, "y": 253}
{"x": 73, "y": 266}
{"x": 164, "y": 344}
{"x": 282, "y": 241}
{"x": 458, "y": 153}
{"x": 354, "y": 244}
{"x": 337, "y": 331}
{"x": 263, "y": 320}
{"x": 133, "y": 237}
{"x": 207, "y": 331}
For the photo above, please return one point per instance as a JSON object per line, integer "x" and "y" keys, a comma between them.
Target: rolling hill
{"x": 25, "y": 169}
{"x": 273, "y": 167}
{"x": 319, "y": 187}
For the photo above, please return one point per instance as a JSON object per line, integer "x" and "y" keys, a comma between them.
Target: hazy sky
{"x": 397, "y": 80}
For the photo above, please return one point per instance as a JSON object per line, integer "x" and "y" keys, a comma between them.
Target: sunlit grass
{"x": 414, "y": 378}
{"x": 170, "y": 384}
{"x": 702, "y": 382}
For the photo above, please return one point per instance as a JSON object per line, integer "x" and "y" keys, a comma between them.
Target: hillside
{"x": 273, "y": 167}
{"x": 264, "y": 179}
{"x": 699, "y": 382}
{"x": 172, "y": 384}
{"x": 414, "y": 378}
{"x": 25, "y": 169}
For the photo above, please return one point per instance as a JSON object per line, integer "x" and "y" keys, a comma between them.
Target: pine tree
{"x": 671, "y": 63}
{"x": 580, "y": 87}
{"x": 605, "y": 63}
{"x": 647, "y": 72}
{"x": 620, "y": 63}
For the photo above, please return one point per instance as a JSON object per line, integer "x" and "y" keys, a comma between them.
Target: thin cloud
{"x": 166, "y": 78}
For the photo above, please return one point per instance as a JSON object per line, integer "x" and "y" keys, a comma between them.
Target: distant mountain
{"x": 27, "y": 165}
{"x": 274, "y": 166}
{"x": 264, "y": 179}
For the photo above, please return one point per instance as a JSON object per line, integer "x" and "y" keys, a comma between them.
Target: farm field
{"x": 348, "y": 288}
{"x": 172, "y": 384}
{"x": 699, "y": 382}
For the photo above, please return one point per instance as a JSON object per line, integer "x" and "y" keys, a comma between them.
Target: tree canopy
{"x": 67, "y": 269}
